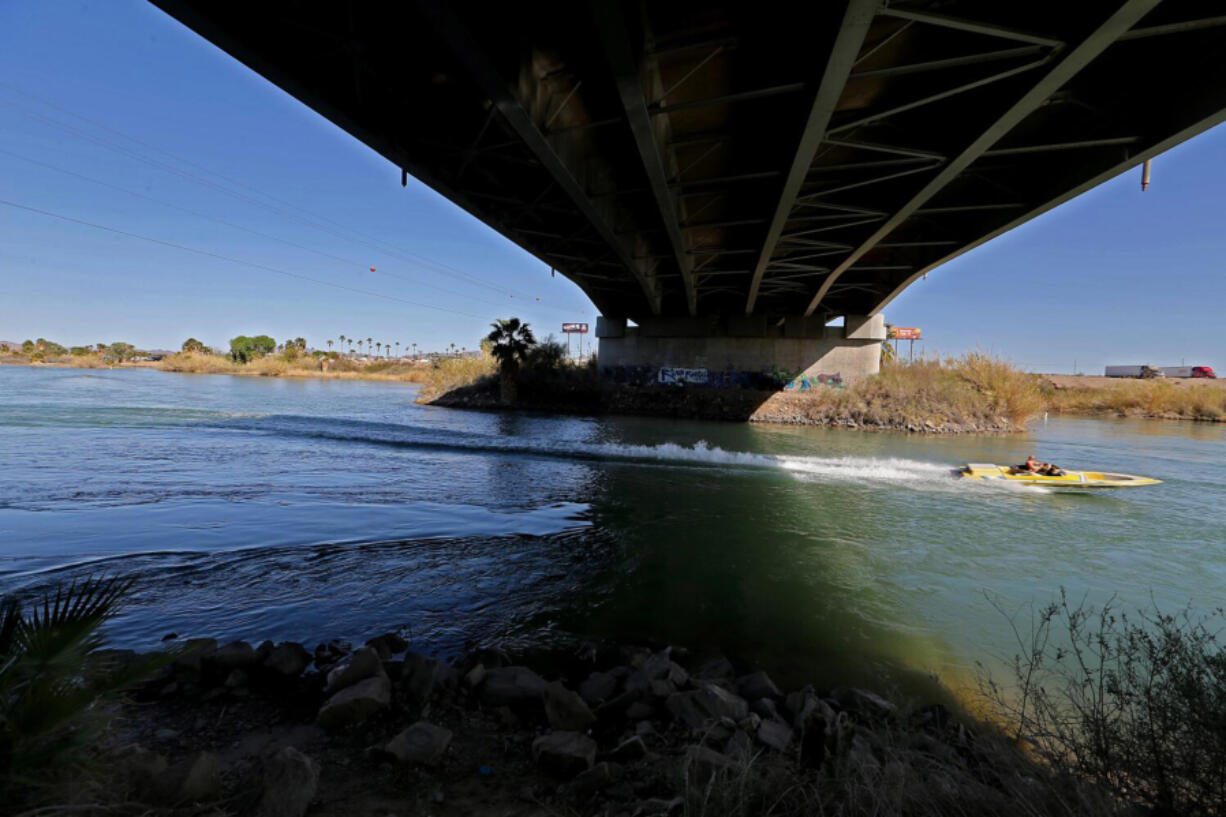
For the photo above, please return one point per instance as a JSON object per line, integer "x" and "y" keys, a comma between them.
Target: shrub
{"x": 1136, "y": 704}
{"x": 53, "y": 693}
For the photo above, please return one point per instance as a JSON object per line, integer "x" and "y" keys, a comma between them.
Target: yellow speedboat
{"x": 1068, "y": 479}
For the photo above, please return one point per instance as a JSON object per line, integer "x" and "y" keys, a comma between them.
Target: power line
{"x": 217, "y": 220}
{"x": 232, "y": 260}
{"x": 371, "y": 241}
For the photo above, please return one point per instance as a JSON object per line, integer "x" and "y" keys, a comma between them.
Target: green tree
{"x": 194, "y": 346}
{"x": 329, "y": 344}
{"x": 511, "y": 341}
{"x": 342, "y": 344}
{"x": 119, "y": 352}
{"x": 27, "y": 347}
{"x": 245, "y": 349}
{"x": 298, "y": 343}
{"x": 368, "y": 340}
{"x": 80, "y": 351}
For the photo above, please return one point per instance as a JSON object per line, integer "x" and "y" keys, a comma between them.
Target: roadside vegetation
{"x": 1160, "y": 398}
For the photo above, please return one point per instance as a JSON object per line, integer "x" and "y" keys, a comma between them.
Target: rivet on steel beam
{"x": 1145, "y": 175}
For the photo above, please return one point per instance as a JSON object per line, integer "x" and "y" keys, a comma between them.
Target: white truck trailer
{"x": 1134, "y": 371}
{"x": 1188, "y": 371}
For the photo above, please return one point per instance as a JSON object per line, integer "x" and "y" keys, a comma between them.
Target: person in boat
{"x": 1045, "y": 469}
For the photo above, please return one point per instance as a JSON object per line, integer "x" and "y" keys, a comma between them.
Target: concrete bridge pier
{"x": 743, "y": 351}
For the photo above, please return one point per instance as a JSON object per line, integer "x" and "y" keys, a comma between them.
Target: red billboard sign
{"x": 905, "y": 333}
{"x": 575, "y": 328}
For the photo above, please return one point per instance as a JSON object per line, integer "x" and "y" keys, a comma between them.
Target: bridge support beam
{"x": 741, "y": 351}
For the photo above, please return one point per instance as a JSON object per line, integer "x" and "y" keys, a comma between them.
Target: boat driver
{"x": 1045, "y": 469}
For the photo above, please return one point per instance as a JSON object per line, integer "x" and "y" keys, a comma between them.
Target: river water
{"x": 310, "y": 509}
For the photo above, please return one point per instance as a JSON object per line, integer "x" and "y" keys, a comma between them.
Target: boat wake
{"x": 701, "y": 454}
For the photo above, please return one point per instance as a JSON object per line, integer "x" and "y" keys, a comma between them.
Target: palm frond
{"x": 68, "y": 622}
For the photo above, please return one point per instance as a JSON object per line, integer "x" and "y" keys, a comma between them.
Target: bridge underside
{"x": 733, "y": 158}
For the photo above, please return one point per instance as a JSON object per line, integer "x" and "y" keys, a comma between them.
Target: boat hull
{"x": 1079, "y": 480}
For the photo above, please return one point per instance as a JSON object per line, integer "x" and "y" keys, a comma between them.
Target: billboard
{"x": 905, "y": 333}
{"x": 577, "y": 328}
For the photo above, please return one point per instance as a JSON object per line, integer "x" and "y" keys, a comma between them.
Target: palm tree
{"x": 342, "y": 344}
{"x": 351, "y": 347}
{"x": 47, "y": 717}
{"x": 397, "y": 348}
{"x": 511, "y": 340}
{"x": 379, "y": 347}
{"x": 329, "y": 346}
{"x": 368, "y": 345}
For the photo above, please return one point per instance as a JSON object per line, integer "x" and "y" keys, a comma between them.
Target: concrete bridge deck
{"x": 730, "y": 159}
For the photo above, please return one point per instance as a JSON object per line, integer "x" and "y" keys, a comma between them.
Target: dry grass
{"x": 896, "y": 770}
{"x": 1168, "y": 399}
{"x": 453, "y": 373}
{"x": 279, "y": 366}
{"x": 972, "y": 391}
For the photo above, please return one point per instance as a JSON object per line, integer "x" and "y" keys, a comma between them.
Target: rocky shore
{"x": 280, "y": 731}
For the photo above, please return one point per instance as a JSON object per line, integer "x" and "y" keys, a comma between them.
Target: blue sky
{"x": 122, "y": 95}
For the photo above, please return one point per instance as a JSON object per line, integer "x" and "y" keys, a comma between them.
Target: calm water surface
{"x": 304, "y": 509}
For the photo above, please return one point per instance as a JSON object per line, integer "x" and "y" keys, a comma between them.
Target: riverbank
{"x": 598, "y": 730}
{"x": 973, "y": 394}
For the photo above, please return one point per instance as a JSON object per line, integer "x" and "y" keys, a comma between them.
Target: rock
{"x": 362, "y": 664}
{"x": 640, "y": 710}
{"x": 756, "y": 685}
{"x": 421, "y": 743}
{"x": 776, "y": 735}
{"x": 566, "y": 710}
{"x": 662, "y": 688}
{"x": 330, "y": 653}
{"x": 512, "y": 686}
{"x": 193, "y": 780}
{"x": 474, "y": 677}
{"x": 702, "y": 763}
{"x": 356, "y": 703}
{"x": 166, "y": 734}
{"x": 805, "y": 705}
{"x": 630, "y": 749}
{"x": 644, "y": 728}
{"x": 419, "y": 676}
{"x": 237, "y": 679}
{"x": 598, "y": 688}
{"x": 264, "y": 650}
{"x": 711, "y": 702}
{"x": 290, "y": 781}
{"x": 387, "y": 645}
{"x": 194, "y": 651}
{"x": 288, "y": 659}
{"x": 235, "y": 655}
{"x": 564, "y": 754}
{"x": 659, "y": 666}
{"x": 749, "y": 723}
{"x": 864, "y": 703}
{"x": 595, "y": 779}
{"x": 739, "y": 746}
{"x": 715, "y": 669}
{"x": 492, "y": 657}
{"x": 766, "y": 709}
{"x": 684, "y": 707}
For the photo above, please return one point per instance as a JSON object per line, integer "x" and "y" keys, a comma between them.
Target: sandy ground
{"x": 1070, "y": 381}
